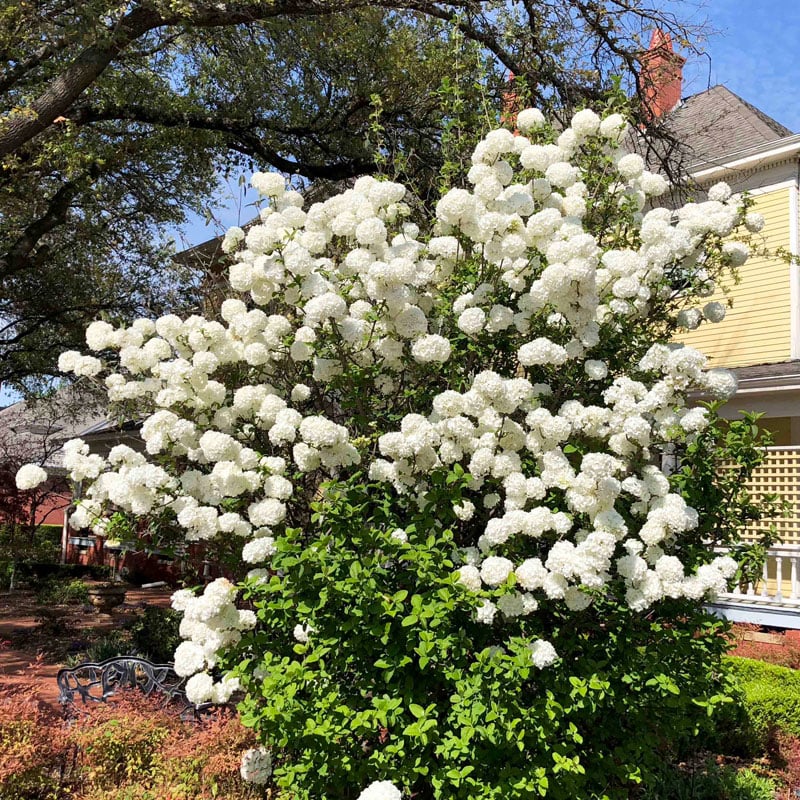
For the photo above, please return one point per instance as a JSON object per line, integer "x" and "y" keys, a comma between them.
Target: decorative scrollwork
{"x": 96, "y": 682}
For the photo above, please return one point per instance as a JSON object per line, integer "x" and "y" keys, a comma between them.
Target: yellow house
{"x": 725, "y": 138}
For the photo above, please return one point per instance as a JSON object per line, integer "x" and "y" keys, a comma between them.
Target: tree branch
{"x": 21, "y": 125}
{"x": 18, "y": 259}
{"x": 12, "y": 75}
{"x": 242, "y": 136}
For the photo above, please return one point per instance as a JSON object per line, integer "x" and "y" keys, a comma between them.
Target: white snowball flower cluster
{"x": 344, "y": 305}
{"x": 381, "y": 790}
{"x": 543, "y": 654}
{"x": 211, "y": 622}
{"x": 29, "y": 476}
{"x": 256, "y": 766}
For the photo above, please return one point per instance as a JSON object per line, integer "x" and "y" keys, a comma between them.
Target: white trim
{"x": 766, "y": 389}
{"x": 794, "y": 269}
{"x": 770, "y": 380}
{"x": 773, "y": 187}
{"x": 762, "y": 156}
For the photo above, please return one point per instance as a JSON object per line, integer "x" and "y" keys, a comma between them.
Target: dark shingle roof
{"x": 717, "y": 122}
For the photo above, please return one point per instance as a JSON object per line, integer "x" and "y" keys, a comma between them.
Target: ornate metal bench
{"x": 95, "y": 683}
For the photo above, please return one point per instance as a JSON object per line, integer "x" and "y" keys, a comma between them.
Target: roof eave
{"x": 760, "y": 155}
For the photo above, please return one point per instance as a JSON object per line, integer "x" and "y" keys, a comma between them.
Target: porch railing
{"x": 772, "y": 600}
{"x": 775, "y": 598}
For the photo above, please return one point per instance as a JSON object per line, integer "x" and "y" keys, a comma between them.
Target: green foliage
{"x": 770, "y": 698}
{"x": 57, "y": 592}
{"x": 399, "y": 679}
{"x": 114, "y": 643}
{"x": 709, "y": 782}
{"x": 154, "y": 634}
{"x": 713, "y": 478}
{"x": 466, "y": 112}
{"x": 44, "y": 546}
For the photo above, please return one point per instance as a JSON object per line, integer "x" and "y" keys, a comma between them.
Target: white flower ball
{"x": 585, "y": 123}
{"x": 495, "y": 570}
{"x": 470, "y": 577}
{"x": 302, "y": 633}
{"x": 720, "y": 192}
{"x": 630, "y": 166}
{"x": 714, "y": 312}
{"x": 471, "y": 321}
{"x": 596, "y": 370}
{"x": 613, "y": 127}
{"x": 380, "y": 790}
{"x": 259, "y": 550}
{"x": 431, "y": 349}
{"x": 754, "y": 222}
{"x": 486, "y": 612}
{"x": 737, "y": 252}
{"x": 268, "y": 184}
{"x": 256, "y": 765}
{"x": 721, "y": 383}
{"x": 543, "y": 654}
{"x": 199, "y": 688}
{"x": 529, "y": 119}
{"x": 30, "y": 476}
{"x": 189, "y": 658}
{"x": 690, "y": 318}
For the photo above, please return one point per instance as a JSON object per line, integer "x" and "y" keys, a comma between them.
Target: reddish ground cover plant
{"x": 35, "y": 752}
{"x": 132, "y": 748}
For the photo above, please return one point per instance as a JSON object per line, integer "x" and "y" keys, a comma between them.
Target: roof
{"x": 40, "y": 427}
{"x": 717, "y": 122}
{"x": 782, "y": 373}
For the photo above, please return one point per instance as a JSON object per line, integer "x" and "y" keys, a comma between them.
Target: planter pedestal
{"x": 106, "y": 597}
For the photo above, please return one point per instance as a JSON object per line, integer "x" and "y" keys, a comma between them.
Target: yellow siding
{"x": 756, "y": 330}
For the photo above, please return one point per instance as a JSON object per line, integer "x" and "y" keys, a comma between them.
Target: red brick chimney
{"x": 510, "y": 109}
{"x": 661, "y": 75}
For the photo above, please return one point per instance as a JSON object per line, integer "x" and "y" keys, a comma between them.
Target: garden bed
{"x": 36, "y": 639}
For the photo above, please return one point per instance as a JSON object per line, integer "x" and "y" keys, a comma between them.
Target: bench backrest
{"x": 96, "y": 682}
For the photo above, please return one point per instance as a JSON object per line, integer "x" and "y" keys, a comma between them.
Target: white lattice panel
{"x": 779, "y": 474}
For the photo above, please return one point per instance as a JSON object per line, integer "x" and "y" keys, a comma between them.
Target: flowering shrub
{"x": 435, "y": 445}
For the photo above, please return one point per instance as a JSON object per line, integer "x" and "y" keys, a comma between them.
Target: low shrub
{"x": 18, "y": 548}
{"x": 34, "y": 573}
{"x": 131, "y": 748}
{"x": 120, "y": 741}
{"x": 154, "y": 634}
{"x": 56, "y": 592}
{"x": 770, "y": 696}
{"x": 136, "y": 748}
{"x": 709, "y": 782}
{"x": 35, "y": 753}
{"x": 114, "y": 643}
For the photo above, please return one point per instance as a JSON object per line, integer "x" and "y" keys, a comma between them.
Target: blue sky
{"x": 754, "y": 53}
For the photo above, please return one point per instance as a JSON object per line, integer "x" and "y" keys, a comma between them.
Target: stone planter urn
{"x": 105, "y": 597}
